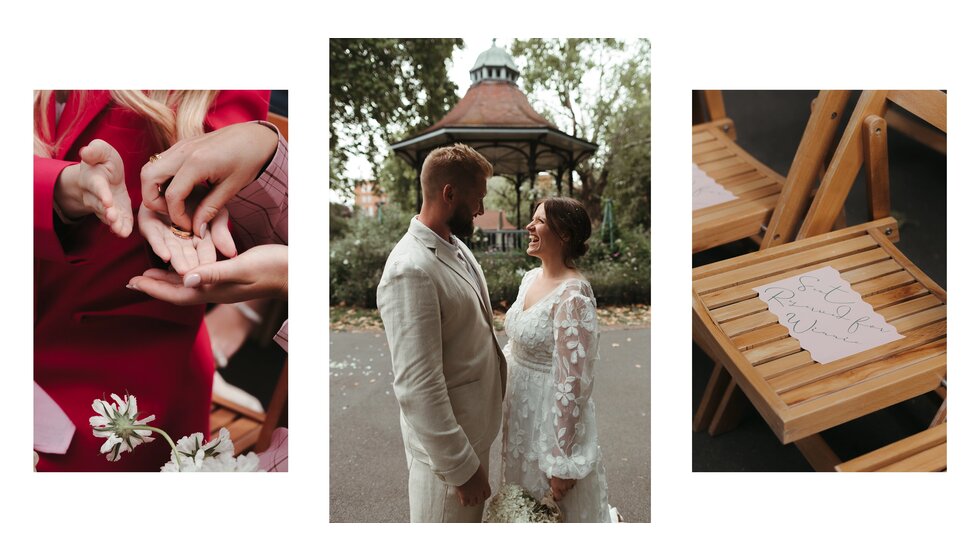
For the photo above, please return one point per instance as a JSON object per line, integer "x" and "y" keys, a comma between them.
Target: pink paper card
{"x": 830, "y": 320}
{"x": 707, "y": 191}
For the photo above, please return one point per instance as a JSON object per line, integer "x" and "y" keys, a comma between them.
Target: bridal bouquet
{"x": 514, "y": 504}
{"x": 118, "y": 423}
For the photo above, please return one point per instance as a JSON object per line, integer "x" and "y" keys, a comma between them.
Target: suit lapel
{"x": 77, "y": 116}
{"x": 449, "y": 258}
{"x": 482, "y": 289}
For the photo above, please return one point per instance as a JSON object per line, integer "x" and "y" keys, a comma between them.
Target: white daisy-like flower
{"x": 578, "y": 351}
{"x": 117, "y": 423}
{"x": 570, "y": 326}
{"x": 566, "y": 464}
{"x": 564, "y": 393}
{"x": 216, "y": 455}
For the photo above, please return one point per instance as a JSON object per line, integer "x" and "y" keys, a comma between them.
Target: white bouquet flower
{"x": 118, "y": 423}
{"x": 217, "y": 455}
{"x": 514, "y": 504}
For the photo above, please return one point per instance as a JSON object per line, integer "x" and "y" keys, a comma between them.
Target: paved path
{"x": 368, "y": 476}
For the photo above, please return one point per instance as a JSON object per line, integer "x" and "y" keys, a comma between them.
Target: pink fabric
{"x": 260, "y": 212}
{"x": 282, "y": 337}
{"x": 276, "y": 457}
{"x": 52, "y": 428}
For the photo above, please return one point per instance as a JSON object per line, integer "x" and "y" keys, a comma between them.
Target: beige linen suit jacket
{"x": 448, "y": 368}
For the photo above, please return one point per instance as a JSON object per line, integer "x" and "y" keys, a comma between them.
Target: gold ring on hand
{"x": 180, "y": 233}
{"x": 161, "y": 188}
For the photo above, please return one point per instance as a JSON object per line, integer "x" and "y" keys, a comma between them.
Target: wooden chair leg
{"x": 820, "y": 456}
{"x": 711, "y": 397}
{"x": 276, "y": 406}
{"x": 730, "y": 408}
{"x": 940, "y": 415}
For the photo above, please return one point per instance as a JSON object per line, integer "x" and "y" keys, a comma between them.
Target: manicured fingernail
{"x": 133, "y": 287}
{"x": 204, "y": 229}
{"x": 192, "y": 280}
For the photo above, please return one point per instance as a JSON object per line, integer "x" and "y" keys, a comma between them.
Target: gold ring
{"x": 154, "y": 157}
{"x": 182, "y": 234}
{"x": 162, "y": 187}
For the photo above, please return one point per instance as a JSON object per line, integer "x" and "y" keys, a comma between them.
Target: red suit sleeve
{"x": 47, "y": 244}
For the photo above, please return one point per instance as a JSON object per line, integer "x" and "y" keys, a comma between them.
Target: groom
{"x": 448, "y": 368}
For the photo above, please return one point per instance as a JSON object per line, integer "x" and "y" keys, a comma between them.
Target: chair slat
{"x": 881, "y": 367}
{"x": 930, "y": 443}
{"x": 915, "y": 336}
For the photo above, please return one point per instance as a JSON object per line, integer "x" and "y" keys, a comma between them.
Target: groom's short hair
{"x": 458, "y": 165}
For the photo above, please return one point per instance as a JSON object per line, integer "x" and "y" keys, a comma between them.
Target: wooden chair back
{"x": 767, "y": 201}
{"x": 865, "y": 143}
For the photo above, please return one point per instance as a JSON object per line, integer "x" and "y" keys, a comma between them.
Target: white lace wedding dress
{"x": 549, "y": 417}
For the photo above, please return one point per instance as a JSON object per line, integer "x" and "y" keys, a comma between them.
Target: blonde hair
{"x": 458, "y": 165}
{"x": 173, "y": 114}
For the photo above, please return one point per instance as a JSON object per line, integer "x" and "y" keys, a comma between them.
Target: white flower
{"x": 514, "y": 504}
{"x": 119, "y": 425}
{"x": 515, "y": 441}
{"x": 565, "y": 466}
{"x": 217, "y": 455}
{"x": 564, "y": 393}
{"x": 577, "y": 350}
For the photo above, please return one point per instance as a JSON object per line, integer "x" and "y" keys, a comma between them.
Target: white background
{"x": 283, "y": 45}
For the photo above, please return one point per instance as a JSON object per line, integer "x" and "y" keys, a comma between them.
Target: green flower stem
{"x": 166, "y": 437}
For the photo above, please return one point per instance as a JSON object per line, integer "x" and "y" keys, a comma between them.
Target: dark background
{"x": 770, "y": 125}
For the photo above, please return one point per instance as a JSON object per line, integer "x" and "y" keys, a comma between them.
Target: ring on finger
{"x": 180, "y": 233}
{"x": 162, "y": 187}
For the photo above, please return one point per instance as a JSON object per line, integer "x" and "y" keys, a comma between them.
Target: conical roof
{"x": 490, "y": 104}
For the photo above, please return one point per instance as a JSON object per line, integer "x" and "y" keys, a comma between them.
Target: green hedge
{"x": 619, "y": 273}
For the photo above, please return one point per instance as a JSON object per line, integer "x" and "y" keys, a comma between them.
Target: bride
{"x": 549, "y": 434}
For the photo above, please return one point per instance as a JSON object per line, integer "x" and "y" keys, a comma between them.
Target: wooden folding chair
{"x": 757, "y": 187}
{"x": 797, "y": 397}
{"x": 722, "y": 403}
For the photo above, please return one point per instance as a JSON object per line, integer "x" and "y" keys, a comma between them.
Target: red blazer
{"x": 92, "y": 336}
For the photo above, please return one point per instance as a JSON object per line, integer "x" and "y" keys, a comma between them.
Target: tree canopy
{"x": 598, "y": 89}
{"x": 380, "y": 91}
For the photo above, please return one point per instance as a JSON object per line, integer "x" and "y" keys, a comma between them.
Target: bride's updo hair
{"x": 569, "y": 220}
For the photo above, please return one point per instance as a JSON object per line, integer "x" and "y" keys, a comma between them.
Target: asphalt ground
{"x": 368, "y": 474}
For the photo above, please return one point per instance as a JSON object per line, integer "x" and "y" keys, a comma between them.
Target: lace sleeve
{"x": 573, "y": 450}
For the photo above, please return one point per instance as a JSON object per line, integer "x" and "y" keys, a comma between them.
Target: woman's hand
{"x": 260, "y": 272}
{"x": 97, "y": 186}
{"x": 185, "y": 254}
{"x": 561, "y": 486}
{"x": 227, "y": 159}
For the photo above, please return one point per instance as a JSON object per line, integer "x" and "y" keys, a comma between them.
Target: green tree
{"x": 382, "y": 90}
{"x": 603, "y": 95}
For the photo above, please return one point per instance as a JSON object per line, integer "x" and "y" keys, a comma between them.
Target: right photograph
{"x": 818, "y": 282}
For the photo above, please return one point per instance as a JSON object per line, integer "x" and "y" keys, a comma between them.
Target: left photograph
{"x": 160, "y": 280}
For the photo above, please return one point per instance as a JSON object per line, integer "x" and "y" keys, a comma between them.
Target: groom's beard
{"x": 461, "y": 222}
